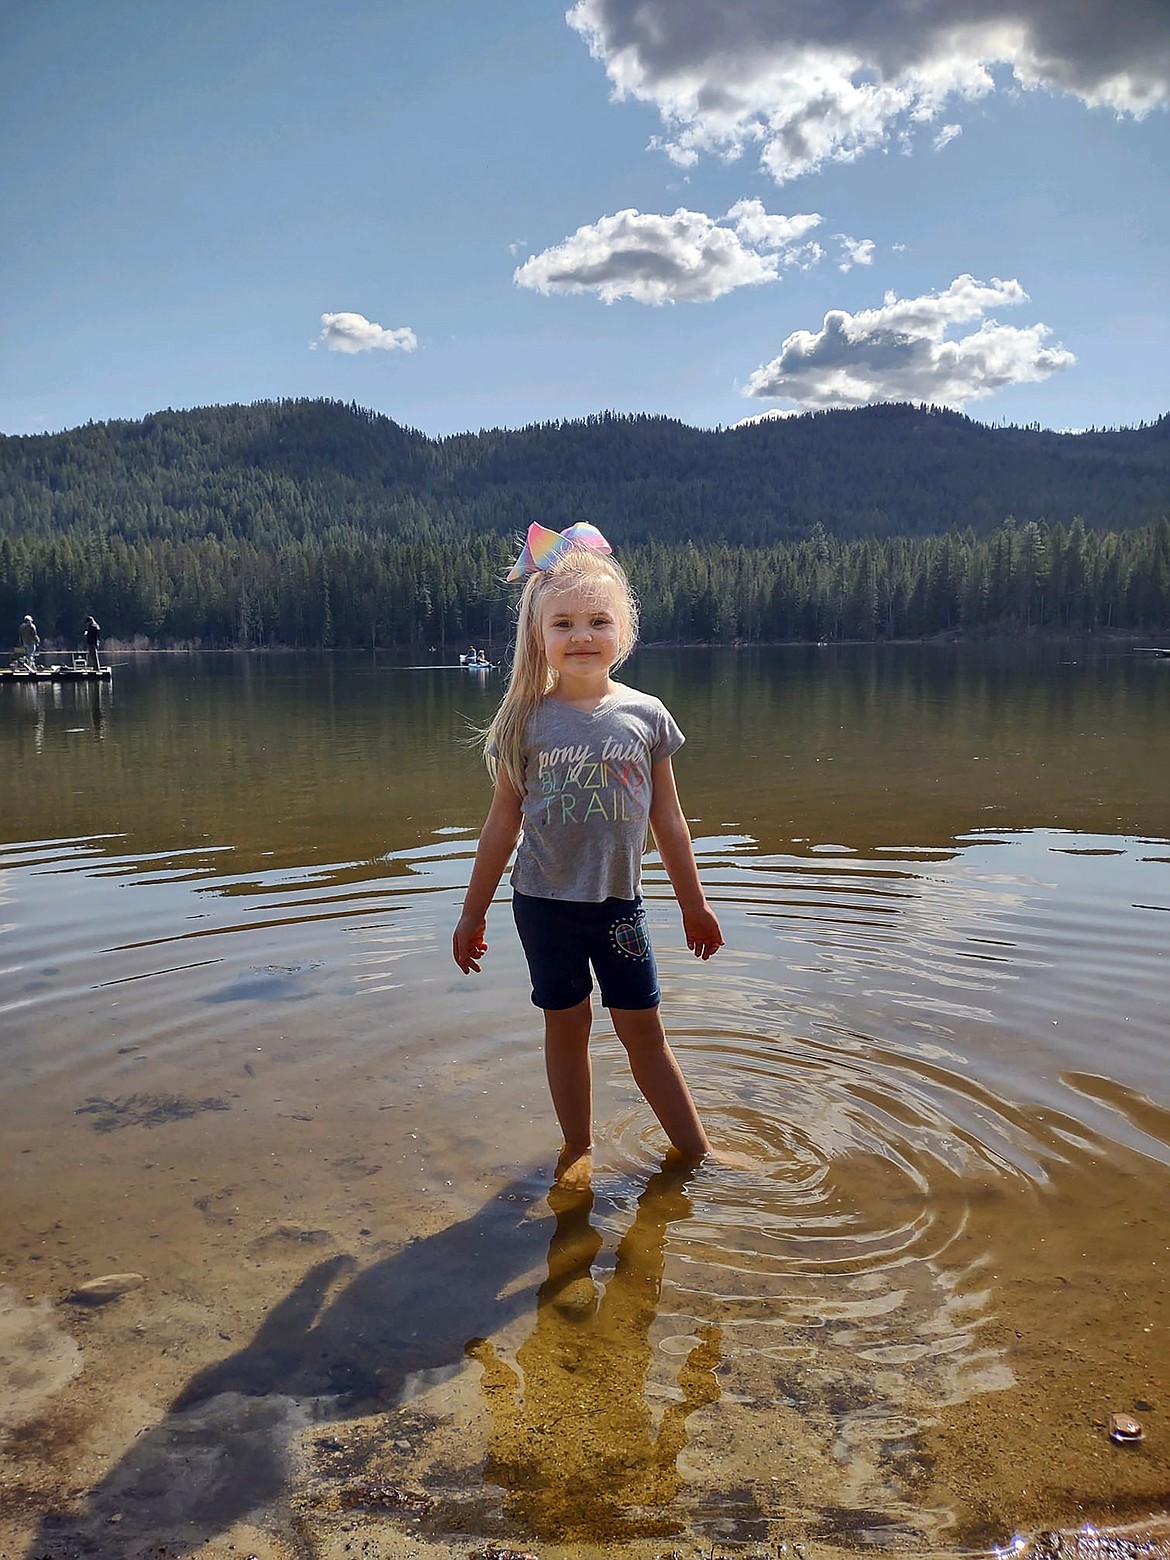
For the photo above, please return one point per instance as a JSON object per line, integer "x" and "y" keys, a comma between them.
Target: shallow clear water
{"x": 239, "y": 1061}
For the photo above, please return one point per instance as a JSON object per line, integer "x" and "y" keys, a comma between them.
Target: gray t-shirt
{"x": 587, "y": 796}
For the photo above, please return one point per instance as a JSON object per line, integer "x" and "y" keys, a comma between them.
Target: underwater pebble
{"x": 1124, "y": 1429}
{"x": 100, "y": 1291}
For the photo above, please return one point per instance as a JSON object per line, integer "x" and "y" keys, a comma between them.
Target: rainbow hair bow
{"x": 543, "y": 547}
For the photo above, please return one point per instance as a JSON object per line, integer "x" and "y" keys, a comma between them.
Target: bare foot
{"x": 728, "y": 1158}
{"x": 675, "y": 1159}
{"x": 575, "y": 1170}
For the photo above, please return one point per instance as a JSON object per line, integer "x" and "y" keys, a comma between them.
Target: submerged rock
{"x": 100, "y": 1291}
{"x": 1124, "y": 1428}
{"x": 375, "y": 1494}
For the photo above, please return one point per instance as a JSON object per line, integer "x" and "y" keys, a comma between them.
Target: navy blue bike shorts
{"x": 562, "y": 938}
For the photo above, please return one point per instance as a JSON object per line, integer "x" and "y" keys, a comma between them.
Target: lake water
{"x": 240, "y": 1063}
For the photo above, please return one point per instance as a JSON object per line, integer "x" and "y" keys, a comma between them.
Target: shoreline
{"x": 1026, "y": 638}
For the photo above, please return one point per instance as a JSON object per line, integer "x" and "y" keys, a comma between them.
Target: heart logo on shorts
{"x": 631, "y": 938}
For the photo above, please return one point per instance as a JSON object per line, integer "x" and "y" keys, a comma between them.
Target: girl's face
{"x": 582, "y": 631}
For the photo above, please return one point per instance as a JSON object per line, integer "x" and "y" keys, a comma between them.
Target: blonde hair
{"x": 597, "y": 577}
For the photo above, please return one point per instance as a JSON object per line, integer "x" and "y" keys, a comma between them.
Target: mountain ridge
{"x": 274, "y": 469}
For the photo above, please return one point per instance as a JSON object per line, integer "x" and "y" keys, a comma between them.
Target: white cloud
{"x": 854, "y": 251}
{"x": 775, "y": 233}
{"x": 946, "y": 135}
{"x": 354, "y": 333}
{"x": 900, "y": 352}
{"x": 827, "y": 81}
{"x": 687, "y": 257}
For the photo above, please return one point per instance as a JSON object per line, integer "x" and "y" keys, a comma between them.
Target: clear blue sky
{"x": 424, "y": 208}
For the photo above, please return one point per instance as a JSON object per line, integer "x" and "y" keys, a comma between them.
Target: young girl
{"x": 581, "y": 765}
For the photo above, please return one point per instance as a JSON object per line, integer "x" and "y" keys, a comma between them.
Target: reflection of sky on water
{"x": 1008, "y": 960}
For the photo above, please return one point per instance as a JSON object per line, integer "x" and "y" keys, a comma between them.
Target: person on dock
{"x": 29, "y": 641}
{"x": 92, "y": 633}
{"x": 581, "y": 765}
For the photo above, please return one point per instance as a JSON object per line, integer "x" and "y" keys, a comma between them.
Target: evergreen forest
{"x": 316, "y": 523}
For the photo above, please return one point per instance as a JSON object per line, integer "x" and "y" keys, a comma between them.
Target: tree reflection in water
{"x": 573, "y": 1442}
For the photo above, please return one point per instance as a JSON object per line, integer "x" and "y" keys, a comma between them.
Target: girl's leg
{"x": 570, "y": 1074}
{"x": 658, "y": 1075}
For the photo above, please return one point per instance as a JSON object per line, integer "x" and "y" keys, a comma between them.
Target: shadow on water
{"x": 574, "y": 1443}
{"x": 342, "y": 1343}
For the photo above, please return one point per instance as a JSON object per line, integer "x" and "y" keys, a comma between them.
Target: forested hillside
{"x": 275, "y": 470}
{"x": 313, "y": 522}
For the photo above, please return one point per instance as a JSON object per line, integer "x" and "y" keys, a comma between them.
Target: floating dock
{"x": 57, "y": 674}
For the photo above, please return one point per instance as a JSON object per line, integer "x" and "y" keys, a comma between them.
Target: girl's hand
{"x": 469, "y": 943}
{"x": 703, "y": 935}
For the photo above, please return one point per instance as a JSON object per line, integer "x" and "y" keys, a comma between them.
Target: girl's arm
{"x": 673, "y": 840}
{"x": 497, "y": 841}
